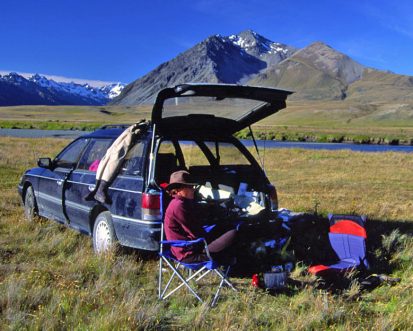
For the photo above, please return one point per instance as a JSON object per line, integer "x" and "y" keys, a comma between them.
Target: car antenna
{"x": 256, "y": 148}
{"x": 151, "y": 154}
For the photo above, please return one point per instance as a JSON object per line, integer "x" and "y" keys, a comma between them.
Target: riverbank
{"x": 267, "y": 144}
{"x": 321, "y": 122}
{"x": 320, "y": 135}
{"x": 285, "y": 134}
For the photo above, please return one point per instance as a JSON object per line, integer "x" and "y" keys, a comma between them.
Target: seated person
{"x": 183, "y": 222}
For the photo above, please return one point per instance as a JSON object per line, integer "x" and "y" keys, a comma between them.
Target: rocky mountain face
{"x": 217, "y": 59}
{"x": 316, "y": 72}
{"x": 39, "y": 90}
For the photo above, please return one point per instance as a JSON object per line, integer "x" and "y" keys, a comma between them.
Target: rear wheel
{"x": 30, "y": 207}
{"x": 104, "y": 237}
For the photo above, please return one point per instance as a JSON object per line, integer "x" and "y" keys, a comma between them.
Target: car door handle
{"x": 59, "y": 182}
{"x": 91, "y": 188}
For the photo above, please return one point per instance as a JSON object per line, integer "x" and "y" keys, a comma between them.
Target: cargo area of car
{"x": 231, "y": 184}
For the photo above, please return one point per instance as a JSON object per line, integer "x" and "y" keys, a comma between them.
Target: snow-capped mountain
{"x": 217, "y": 59}
{"x": 315, "y": 72}
{"x": 259, "y": 46}
{"x": 37, "y": 89}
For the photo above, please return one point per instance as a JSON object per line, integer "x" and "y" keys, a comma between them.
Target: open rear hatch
{"x": 214, "y": 108}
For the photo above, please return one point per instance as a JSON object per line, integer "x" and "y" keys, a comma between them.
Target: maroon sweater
{"x": 182, "y": 223}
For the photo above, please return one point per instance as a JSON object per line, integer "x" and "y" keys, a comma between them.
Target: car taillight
{"x": 272, "y": 192}
{"x": 151, "y": 206}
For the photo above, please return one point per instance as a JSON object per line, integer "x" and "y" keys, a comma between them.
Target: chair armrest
{"x": 188, "y": 243}
{"x": 183, "y": 243}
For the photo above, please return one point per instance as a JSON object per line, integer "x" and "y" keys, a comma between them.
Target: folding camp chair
{"x": 196, "y": 270}
{"x": 348, "y": 240}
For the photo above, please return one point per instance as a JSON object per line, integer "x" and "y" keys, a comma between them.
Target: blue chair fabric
{"x": 348, "y": 239}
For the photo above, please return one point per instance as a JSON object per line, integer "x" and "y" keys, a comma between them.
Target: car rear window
{"x": 230, "y": 108}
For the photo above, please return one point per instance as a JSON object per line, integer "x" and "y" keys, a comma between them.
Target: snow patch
{"x": 263, "y": 45}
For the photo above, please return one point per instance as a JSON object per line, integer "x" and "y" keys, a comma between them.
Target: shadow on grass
{"x": 384, "y": 239}
{"x": 310, "y": 246}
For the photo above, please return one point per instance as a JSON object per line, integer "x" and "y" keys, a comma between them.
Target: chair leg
{"x": 167, "y": 286}
{"x": 216, "y": 296}
{"x": 224, "y": 279}
{"x": 184, "y": 282}
{"x": 187, "y": 280}
{"x": 224, "y": 276}
{"x": 160, "y": 279}
{"x": 193, "y": 276}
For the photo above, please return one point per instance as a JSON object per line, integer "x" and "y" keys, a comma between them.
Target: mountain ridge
{"x": 39, "y": 90}
{"x": 314, "y": 72}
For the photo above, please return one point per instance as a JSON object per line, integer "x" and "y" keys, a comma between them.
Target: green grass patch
{"x": 49, "y": 125}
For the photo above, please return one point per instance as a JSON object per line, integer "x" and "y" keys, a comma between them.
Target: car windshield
{"x": 230, "y": 108}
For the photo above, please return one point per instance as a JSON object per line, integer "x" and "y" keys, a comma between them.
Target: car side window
{"x": 133, "y": 162}
{"x": 95, "y": 151}
{"x": 70, "y": 155}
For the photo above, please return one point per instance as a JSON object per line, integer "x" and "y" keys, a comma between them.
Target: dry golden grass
{"x": 50, "y": 278}
{"x": 377, "y": 184}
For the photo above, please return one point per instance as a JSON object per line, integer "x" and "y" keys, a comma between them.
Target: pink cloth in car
{"x": 94, "y": 166}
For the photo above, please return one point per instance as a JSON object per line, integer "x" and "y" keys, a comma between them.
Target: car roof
{"x": 106, "y": 132}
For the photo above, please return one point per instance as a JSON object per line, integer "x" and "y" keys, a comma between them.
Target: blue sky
{"x": 124, "y": 39}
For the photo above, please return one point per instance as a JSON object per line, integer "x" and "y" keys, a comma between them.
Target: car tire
{"x": 104, "y": 236}
{"x": 30, "y": 206}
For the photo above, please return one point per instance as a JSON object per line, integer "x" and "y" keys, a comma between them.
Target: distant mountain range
{"x": 16, "y": 90}
{"x": 316, "y": 72}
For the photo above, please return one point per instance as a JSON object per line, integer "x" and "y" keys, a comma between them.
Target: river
{"x": 72, "y": 134}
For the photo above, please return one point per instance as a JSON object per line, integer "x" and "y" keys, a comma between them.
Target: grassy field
{"x": 328, "y": 121}
{"x": 51, "y": 279}
{"x": 70, "y": 117}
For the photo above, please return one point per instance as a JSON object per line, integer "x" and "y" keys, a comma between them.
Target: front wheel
{"x": 104, "y": 237}
{"x": 30, "y": 207}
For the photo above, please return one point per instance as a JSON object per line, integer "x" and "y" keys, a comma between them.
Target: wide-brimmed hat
{"x": 180, "y": 178}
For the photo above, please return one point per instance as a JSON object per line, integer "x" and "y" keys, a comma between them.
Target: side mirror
{"x": 44, "y": 162}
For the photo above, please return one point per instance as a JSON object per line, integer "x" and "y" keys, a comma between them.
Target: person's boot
{"x": 101, "y": 193}
{"x": 90, "y": 196}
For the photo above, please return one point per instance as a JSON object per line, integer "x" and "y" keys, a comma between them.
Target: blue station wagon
{"x": 192, "y": 127}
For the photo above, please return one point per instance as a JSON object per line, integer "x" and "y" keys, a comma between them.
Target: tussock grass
{"x": 50, "y": 278}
